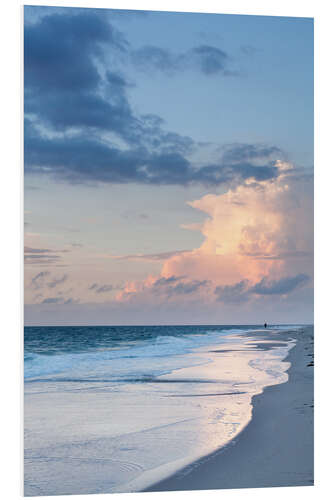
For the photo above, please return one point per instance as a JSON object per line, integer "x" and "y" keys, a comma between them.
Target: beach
{"x": 276, "y": 448}
{"x": 125, "y": 409}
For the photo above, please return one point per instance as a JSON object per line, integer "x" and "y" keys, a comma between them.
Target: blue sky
{"x": 143, "y": 132}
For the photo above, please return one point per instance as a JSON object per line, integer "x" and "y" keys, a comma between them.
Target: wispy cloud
{"x": 59, "y": 300}
{"x": 104, "y": 288}
{"x": 57, "y": 281}
{"x": 42, "y": 280}
{"x": 44, "y": 256}
{"x": 150, "y": 256}
{"x": 280, "y": 256}
{"x": 206, "y": 59}
{"x": 29, "y": 250}
{"x": 53, "y": 300}
{"x": 39, "y": 279}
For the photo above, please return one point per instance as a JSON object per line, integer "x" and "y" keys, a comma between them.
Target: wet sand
{"x": 276, "y": 447}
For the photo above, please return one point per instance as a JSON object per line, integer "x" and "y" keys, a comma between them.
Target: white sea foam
{"x": 142, "y": 358}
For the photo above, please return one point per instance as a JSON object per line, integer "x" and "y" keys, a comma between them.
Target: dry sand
{"x": 276, "y": 447}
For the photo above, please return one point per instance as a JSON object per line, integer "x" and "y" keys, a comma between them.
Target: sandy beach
{"x": 276, "y": 447}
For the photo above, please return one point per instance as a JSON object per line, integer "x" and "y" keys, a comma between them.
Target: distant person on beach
{"x": 265, "y": 325}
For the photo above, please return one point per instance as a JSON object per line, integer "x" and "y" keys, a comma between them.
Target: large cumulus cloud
{"x": 258, "y": 246}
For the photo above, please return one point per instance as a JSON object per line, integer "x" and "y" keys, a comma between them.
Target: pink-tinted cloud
{"x": 258, "y": 243}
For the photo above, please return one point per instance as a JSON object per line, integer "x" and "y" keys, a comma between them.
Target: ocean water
{"x": 112, "y": 409}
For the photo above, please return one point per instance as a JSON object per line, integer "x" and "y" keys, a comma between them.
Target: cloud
{"x": 281, "y": 286}
{"x": 83, "y": 159}
{"x": 161, "y": 288}
{"x": 236, "y": 153}
{"x": 167, "y": 281}
{"x": 210, "y": 60}
{"x": 44, "y": 256}
{"x": 282, "y": 256}
{"x": 233, "y": 293}
{"x": 187, "y": 287}
{"x": 53, "y": 300}
{"x": 41, "y": 259}
{"x": 69, "y": 84}
{"x": 57, "y": 281}
{"x": 71, "y": 301}
{"x": 80, "y": 126}
{"x": 103, "y": 288}
{"x": 155, "y": 57}
{"x": 258, "y": 244}
{"x": 38, "y": 280}
{"x": 256, "y": 251}
{"x": 177, "y": 285}
{"x": 59, "y": 50}
{"x": 149, "y": 257}
{"x": 206, "y": 59}
{"x": 36, "y": 250}
{"x": 59, "y": 300}
{"x": 243, "y": 290}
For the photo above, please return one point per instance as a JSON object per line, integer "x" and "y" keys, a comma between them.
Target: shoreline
{"x": 271, "y": 451}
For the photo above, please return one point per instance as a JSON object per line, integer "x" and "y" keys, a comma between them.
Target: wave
{"x": 140, "y": 359}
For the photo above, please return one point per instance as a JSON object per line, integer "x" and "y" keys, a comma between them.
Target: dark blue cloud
{"x": 64, "y": 110}
{"x": 83, "y": 158}
{"x": 37, "y": 259}
{"x": 70, "y": 89}
{"x": 36, "y": 250}
{"x": 59, "y": 300}
{"x": 178, "y": 285}
{"x": 167, "y": 281}
{"x": 59, "y": 51}
{"x": 104, "y": 288}
{"x": 280, "y": 287}
{"x": 53, "y": 300}
{"x": 242, "y": 291}
{"x": 69, "y": 85}
{"x": 236, "y": 153}
{"x": 233, "y": 293}
{"x": 186, "y": 288}
{"x": 224, "y": 173}
{"x": 64, "y": 87}
{"x": 37, "y": 256}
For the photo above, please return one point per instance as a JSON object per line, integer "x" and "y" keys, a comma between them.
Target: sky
{"x": 168, "y": 167}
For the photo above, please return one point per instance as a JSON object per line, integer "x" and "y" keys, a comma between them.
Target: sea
{"x": 118, "y": 408}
